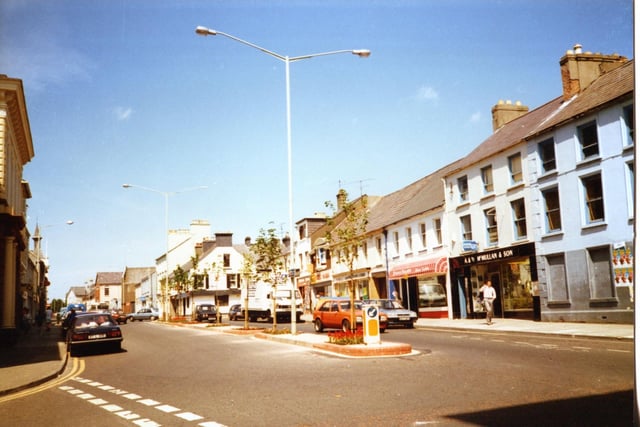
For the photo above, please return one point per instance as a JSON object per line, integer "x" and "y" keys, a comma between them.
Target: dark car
{"x": 119, "y": 316}
{"x": 236, "y": 312}
{"x": 397, "y": 315}
{"x": 205, "y": 312}
{"x": 94, "y": 331}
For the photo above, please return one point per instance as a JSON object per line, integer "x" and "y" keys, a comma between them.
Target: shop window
{"x": 492, "y": 226}
{"x": 465, "y": 224}
{"x": 600, "y": 276}
{"x": 588, "y": 140}
{"x": 547, "y": 154}
{"x": 519, "y": 219}
{"x": 423, "y": 234}
{"x": 437, "y": 228}
{"x": 515, "y": 168}
{"x": 487, "y": 178}
{"x": 593, "y": 200}
{"x": 463, "y": 189}
{"x": 552, "y": 210}
{"x": 431, "y": 294}
{"x": 627, "y": 115}
{"x": 557, "y": 278}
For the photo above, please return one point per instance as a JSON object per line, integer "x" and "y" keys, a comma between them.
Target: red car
{"x": 335, "y": 313}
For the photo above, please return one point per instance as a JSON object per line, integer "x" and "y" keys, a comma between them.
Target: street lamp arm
{"x": 204, "y": 31}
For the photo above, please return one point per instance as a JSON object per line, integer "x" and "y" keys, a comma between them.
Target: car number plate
{"x": 97, "y": 336}
{"x": 404, "y": 317}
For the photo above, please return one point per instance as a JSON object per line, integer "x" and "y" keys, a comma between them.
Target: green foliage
{"x": 268, "y": 261}
{"x": 346, "y": 338}
{"x": 346, "y": 234}
{"x": 180, "y": 279}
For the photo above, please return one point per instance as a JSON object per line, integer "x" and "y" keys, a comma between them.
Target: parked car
{"x": 205, "y": 312}
{"x": 119, "y": 316}
{"x": 397, "y": 315}
{"x": 94, "y": 331}
{"x": 236, "y": 312}
{"x": 144, "y": 314}
{"x": 335, "y": 313}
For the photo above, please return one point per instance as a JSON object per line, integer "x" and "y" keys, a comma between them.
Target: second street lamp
{"x": 363, "y": 53}
{"x": 165, "y": 194}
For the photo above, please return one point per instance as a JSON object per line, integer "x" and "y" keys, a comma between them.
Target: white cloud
{"x": 123, "y": 113}
{"x": 475, "y": 117}
{"x": 427, "y": 93}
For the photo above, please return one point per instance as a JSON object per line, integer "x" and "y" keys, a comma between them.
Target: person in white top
{"x": 488, "y": 296}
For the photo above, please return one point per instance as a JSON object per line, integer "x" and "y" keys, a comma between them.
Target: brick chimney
{"x": 504, "y": 112}
{"x": 580, "y": 69}
{"x": 224, "y": 240}
{"x": 342, "y": 199}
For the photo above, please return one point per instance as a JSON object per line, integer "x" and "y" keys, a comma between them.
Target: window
{"x": 552, "y": 210}
{"x": 365, "y": 249}
{"x": 600, "y": 276}
{"x": 519, "y": 219}
{"x": 557, "y": 277}
{"x": 630, "y": 188}
{"x": 594, "y": 204}
{"x": 487, "y": 178}
{"x": 232, "y": 281}
{"x": 463, "y": 189}
{"x": 396, "y": 241}
{"x": 379, "y": 245}
{"x": 106, "y": 291}
{"x": 547, "y": 153}
{"x": 515, "y": 168}
{"x": 409, "y": 238}
{"x": 627, "y": 115}
{"x": 492, "y": 226}
{"x": 437, "y": 228}
{"x": 588, "y": 139}
{"x": 423, "y": 234}
{"x": 465, "y": 224}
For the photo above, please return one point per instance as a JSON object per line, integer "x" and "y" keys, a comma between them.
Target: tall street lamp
{"x": 166, "y": 195}
{"x": 363, "y": 53}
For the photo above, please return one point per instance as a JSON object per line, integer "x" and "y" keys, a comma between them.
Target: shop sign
{"x": 469, "y": 246}
{"x": 431, "y": 265}
{"x": 497, "y": 254}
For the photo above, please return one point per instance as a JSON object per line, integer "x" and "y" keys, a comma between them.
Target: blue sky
{"x": 124, "y": 91}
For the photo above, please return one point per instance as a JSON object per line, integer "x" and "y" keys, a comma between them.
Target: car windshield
{"x": 206, "y": 308}
{"x": 93, "y": 321}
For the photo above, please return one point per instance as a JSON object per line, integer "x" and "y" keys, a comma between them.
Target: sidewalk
{"x": 35, "y": 359}
{"x": 38, "y": 358}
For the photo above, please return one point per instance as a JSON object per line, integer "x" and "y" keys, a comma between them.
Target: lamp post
{"x": 165, "y": 195}
{"x": 363, "y": 53}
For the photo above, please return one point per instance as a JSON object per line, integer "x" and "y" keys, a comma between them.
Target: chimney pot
{"x": 577, "y": 48}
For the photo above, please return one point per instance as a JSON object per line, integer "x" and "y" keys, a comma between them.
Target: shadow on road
{"x": 612, "y": 409}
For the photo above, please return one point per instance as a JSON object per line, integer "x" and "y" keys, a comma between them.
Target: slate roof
{"x": 136, "y": 274}
{"x": 108, "y": 278}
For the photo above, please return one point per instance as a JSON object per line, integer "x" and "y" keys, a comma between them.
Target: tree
{"x": 346, "y": 234}
{"x": 268, "y": 262}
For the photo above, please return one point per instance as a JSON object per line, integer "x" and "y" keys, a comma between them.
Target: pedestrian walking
{"x": 488, "y": 296}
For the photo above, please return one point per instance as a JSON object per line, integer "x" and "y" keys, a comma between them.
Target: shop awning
{"x": 417, "y": 268}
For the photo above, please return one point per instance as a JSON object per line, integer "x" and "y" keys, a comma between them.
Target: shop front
{"x": 513, "y": 274}
{"x": 360, "y": 279}
{"x": 421, "y": 285}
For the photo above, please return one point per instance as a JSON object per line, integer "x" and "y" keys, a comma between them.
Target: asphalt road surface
{"x": 178, "y": 376}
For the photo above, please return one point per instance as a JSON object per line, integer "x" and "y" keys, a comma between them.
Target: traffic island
{"x": 367, "y": 350}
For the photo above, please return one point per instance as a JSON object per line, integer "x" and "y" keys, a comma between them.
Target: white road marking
{"x": 167, "y": 408}
{"x": 189, "y": 416}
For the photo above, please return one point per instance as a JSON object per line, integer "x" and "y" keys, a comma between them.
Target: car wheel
{"x": 382, "y": 330}
{"x": 317, "y": 325}
{"x": 346, "y": 325}
{"x": 410, "y": 325}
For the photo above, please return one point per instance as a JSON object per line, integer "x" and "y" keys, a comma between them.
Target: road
{"x": 177, "y": 376}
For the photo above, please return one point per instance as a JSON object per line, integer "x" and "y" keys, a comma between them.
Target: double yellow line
{"x": 77, "y": 367}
